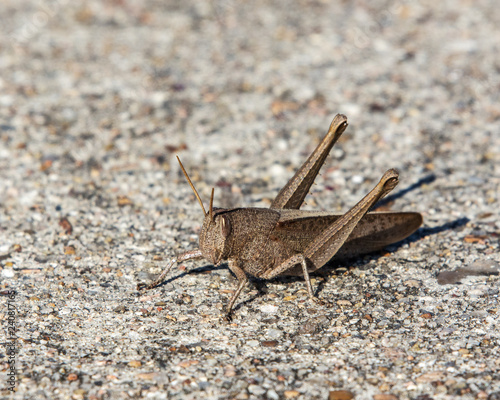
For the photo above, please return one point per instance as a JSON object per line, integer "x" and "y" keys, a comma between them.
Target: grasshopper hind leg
{"x": 289, "y": 264}
{"x": 328, "y": 242}
{"x": 283, "y": 267}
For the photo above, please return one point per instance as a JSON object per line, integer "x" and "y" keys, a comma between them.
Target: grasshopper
{"x": 283, "y": 240}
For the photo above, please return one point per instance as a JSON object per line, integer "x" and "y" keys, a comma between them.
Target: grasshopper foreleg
{"x": 189, "y": 255}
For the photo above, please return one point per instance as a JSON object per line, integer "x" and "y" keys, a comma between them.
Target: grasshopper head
{"x": 215, "y": 230}
{"x": 214, "y": 237}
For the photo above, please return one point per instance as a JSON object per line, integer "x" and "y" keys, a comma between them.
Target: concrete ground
{"x": 97, "y": 98}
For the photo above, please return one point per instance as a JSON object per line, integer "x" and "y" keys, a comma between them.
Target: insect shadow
{"x": 392, "y": 197}
{"x": 329, "y": 269}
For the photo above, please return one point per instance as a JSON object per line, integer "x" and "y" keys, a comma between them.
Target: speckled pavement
{"x": 97, "y": 98}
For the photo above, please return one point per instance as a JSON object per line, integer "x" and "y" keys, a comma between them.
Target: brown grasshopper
{"x": 282, "y": 240}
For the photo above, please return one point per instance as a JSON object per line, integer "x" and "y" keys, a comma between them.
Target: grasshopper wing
{"x": 376, "y": 230}
{"x": 373, "y": 232}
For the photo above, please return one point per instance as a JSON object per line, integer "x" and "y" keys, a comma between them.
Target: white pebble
{"x": 269, "y": 309}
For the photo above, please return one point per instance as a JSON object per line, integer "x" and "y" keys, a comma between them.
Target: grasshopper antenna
{"x": 194, "y": 189}
{"x": 211, "y": 209}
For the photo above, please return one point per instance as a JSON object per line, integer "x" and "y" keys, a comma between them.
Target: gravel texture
{"x": 97, "y": 98}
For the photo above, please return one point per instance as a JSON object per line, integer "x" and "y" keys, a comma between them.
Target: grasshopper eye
{"x": 225, "y": 227}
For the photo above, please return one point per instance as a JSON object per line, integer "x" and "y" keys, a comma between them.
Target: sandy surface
{"x": 97, "y": 98}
